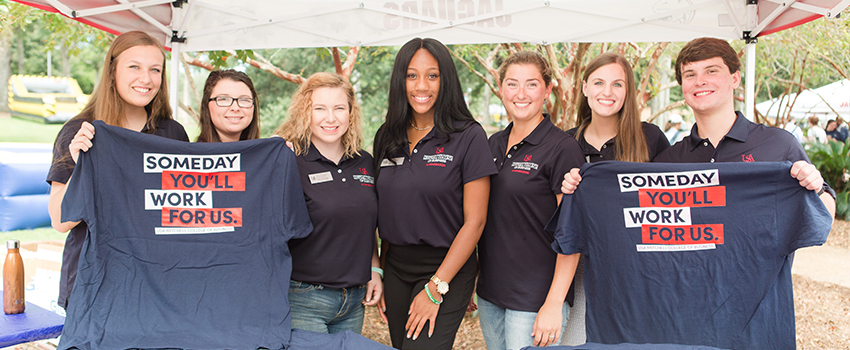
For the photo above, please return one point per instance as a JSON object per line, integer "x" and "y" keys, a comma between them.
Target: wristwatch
{"x": 442, "y": 286}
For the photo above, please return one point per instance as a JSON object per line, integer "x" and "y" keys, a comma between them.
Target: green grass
{"x": 39, "y": 234}
{"x": 22, "y": 130}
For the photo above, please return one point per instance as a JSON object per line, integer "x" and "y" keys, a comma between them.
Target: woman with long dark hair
{"x": 229, "y": 108}
{"x": 132, "y": 93}
{"x": 433, "y": 184}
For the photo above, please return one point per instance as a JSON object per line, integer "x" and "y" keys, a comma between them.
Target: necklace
{"x": 421, "y": 129}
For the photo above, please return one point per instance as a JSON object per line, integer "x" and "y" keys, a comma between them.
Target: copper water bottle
{"x": 13, "y": 279}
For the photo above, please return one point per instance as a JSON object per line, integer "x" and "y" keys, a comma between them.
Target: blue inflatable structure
{"x": 23, "y": 191}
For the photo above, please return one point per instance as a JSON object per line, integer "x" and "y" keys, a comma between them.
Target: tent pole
{"x": 175, "y": 78}
{"x": 750, "y": 87}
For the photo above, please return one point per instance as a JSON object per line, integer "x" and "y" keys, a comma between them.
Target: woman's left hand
{"x": 422, "y": 310}
{"x": 547, "y": 325}
{"x": 374, "y": 290}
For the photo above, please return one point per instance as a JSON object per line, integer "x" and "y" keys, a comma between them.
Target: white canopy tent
{"x": 824, "y": 102}
{"x": 202, "y": 25}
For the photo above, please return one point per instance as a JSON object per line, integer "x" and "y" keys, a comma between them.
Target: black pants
{"x": 406, "y": 271}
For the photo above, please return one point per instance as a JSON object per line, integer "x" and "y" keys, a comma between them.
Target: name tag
{"x": 387, "y": 162}
{"x": 318, "y": 178}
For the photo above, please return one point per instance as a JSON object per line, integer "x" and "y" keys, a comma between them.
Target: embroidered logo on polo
{"x": 524, "y": 167}
{"x": 438, "y": 159}
{"x": 664, "y": 215}
{"x": 186, "y": 195}
{"x": 748, "y": 158}
{"x": 364, "y": 178}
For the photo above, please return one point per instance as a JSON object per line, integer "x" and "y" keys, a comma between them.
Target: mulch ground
{"x": 822, "y": 313}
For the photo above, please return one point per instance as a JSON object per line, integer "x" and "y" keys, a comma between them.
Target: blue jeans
{"x": 326, "y": 310}
{"x": 510, "y": 329}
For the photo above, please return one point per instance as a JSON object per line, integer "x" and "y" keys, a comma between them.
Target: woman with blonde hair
{"x": 133, "y": 94}
{"x": 335, "y": 270}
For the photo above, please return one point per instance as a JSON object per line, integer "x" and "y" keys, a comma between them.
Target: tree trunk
{"x": 20, "y": 57}
{"x": 65, "y": 58}
{"x": 5, "y": 66}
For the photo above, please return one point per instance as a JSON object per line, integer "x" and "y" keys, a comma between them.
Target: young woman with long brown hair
{"x": 132, "y": 93}
{"x": 609, "y": 128}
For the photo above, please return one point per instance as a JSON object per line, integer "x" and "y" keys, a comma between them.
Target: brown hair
{"x": 106, "y": 104}
{"x": 813, "y": 120}
{"x": 208, "y": 131}
{"x": 296, "y": 128}
{"x": 702, "y": 49}
{"x": 630, "y": 143}
{"x": 527, "y": 57}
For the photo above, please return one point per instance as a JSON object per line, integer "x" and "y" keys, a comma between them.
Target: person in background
{"x": 674, "y": 132}
{"x": 525, "y": 304}
{"x": 832, "y": 131}
{"x": 433, "y": 181}
{"x": 229, "y": 108}
{"x": 335, "y": 270}
{"x": 133, "y": 94}
{"x": 816, "y": 133}
{"x": 792, "y": 127}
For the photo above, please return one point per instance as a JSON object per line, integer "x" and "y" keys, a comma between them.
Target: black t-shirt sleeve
{"x": 569, "y": 156}
{"x": 171, "y": 129}
{"x": 62, "y": 165}
{"x": 478, "y": 160}
{"x": 655, "y": 139}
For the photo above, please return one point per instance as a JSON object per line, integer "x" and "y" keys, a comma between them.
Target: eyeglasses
{"x": 227, "y": 101}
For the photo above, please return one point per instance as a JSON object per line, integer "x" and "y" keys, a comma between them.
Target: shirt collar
{"x": 313, "y": 155}
{"x": 740, "y": 131}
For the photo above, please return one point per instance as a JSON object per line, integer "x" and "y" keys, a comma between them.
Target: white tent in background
{"x": 202, "y": 25}
{"x": 826, "y": 102}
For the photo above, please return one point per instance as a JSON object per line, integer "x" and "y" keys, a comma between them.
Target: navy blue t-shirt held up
{"x": 692, "y": 254}
{"x": 187, "y": 243}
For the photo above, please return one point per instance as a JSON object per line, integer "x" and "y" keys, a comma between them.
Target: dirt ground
{"x": 822, "y": 313}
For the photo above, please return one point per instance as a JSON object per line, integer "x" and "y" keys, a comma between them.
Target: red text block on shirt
{"x": 222, "y": 181}
{"x": 202, "y": 217}
{"x": 685, "y": 234}
{"x": 714, "y": 196}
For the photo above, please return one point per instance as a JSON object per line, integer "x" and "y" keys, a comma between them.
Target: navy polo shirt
{"x": 655, "y": 140}
{"x": 694, "y": 254}
{"x": 343, "y": 207}
{"x": 515, "y": 253}
{"x": 745, "y": 142}
{"x": 60, "y": 172}
{"x": 421, "y": 193}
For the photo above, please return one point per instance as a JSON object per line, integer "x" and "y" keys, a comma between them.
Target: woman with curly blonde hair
{"x": 331, "y": 275}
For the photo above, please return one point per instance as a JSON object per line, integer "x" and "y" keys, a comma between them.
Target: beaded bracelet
{"x": 428, "y": 291}
{"x": 379, "y": 270}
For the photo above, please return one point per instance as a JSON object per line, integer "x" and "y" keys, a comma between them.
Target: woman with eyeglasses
{"x": 132, "y": 93}
{"x": 228, "y": 108}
